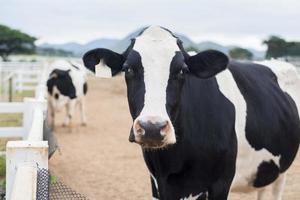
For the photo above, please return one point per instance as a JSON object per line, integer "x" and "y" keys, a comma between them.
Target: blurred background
{"x": 98, "y": 161}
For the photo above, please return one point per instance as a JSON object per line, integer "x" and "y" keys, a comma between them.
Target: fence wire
{"x": 55, "y": 190}
{"x": 59, "y": 191}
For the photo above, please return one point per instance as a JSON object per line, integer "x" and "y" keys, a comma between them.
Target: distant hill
{"x": 79, "y": 49}
{"x": 121, "y": 45}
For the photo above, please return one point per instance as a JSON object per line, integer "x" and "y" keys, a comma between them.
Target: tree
{"x": 277, "y": 47}
{"x": 15, "y": 41}
{"x": 240, "y": 54}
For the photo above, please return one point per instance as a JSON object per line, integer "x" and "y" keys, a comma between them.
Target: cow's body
{"x": 265, "y": 119}
{"x": 67, "y": 86}
{"x": 204, "y": 155}
{"x": 267, "y": 123}
{"x": 195, "y": 116}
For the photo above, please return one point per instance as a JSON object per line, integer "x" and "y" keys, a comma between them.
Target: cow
{"x": 206, "y": 124}
{"x": 66, "y": 86}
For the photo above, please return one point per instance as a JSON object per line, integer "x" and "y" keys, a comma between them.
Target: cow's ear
{"x": 207, "y": 63}
{"x": 105, "y": 57}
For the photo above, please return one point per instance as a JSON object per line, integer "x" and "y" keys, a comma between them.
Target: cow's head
{"x": 60, "y": 88}
{"x": 155, "y": 66}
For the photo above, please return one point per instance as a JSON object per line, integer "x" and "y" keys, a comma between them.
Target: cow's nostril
{"x": 56, "y": 96}
{"x": 152, "y": 126}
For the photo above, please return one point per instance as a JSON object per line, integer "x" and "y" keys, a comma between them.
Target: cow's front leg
{"x": 67, "y": 119}
{"x": 51, "y": 115}
{"x": 219, "y": 190}
{"x": 82, "y": 111}
{"x": 70, "y": 113}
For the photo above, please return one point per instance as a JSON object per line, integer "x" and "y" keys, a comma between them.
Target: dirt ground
{"x": 99, "y": 162}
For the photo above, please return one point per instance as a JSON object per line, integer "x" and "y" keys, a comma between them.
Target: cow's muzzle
{"x": 152, "y": 132}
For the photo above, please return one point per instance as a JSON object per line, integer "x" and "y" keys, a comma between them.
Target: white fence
{"x": 26, "y": 156}
{"x": 20, "y": 76}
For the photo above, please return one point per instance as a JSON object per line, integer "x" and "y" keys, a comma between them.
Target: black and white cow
{"x": 189, "y": 112}
{"x": 67, "y": 86}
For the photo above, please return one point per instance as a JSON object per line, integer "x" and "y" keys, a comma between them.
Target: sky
{"x": 229, "y": 22}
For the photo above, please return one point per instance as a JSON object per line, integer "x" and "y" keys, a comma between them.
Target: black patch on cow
{"x": 207, "y": 63}
{"x": 178, "y": 70}
{"x": 85, "y": 88}
{"x": 63, "y": 81}
{"x": 134, "y": 77}
{"x": 267, "y": 173}
{"x": 272, "y": 116}
{"x": 111, "y": 59}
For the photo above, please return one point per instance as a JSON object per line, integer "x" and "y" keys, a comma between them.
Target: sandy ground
{"x": 99, "y": 162}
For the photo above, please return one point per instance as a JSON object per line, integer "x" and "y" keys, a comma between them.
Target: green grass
{"x": 2, "y": 172}
{"x": 11, "y": 119}
{"x": 4, "y": 140}
{"x": 19, "y": 96}
{"x": 53, "y": 179}
{"x": 2, "y": 167}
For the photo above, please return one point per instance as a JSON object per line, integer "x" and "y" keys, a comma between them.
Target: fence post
{"x": 20, "y": 153}
{"x": 10, "y": 88}
{"x": 33, "y": 105}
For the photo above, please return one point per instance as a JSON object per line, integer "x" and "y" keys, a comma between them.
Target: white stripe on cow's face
{"x": 157, "y": 47}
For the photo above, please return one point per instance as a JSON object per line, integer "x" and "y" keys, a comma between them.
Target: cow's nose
{"x": 151, "y": 130}
{"x": 152, "y": 127}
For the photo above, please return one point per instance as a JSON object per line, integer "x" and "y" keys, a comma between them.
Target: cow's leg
{"x": 67, "y": 119}
{"x": 51, "y": 119}
{"x": 82, "y": 111}
{"x": 219, "y": 190}
{"x": 71, "y": 110}
{"x": 278, "y": 187}
{"x": 261, "y": 194}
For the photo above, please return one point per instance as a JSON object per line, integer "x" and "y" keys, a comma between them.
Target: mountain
{"x": 70, "y": 46}
{"x": 79, "y": 49}
{"x": 121, "y": 45}
{"x": 212, "y": 45}
{"x": 100, "y": 43}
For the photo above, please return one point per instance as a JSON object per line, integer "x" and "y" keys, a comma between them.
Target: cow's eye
{"x": 128, "y": 70}
{"x": 180, "y": 74}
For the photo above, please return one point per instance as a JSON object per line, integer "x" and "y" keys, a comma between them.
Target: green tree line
{"x": 278, "y": 47}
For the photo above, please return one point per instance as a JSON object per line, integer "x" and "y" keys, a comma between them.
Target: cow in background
{"x": 67, "y": 86}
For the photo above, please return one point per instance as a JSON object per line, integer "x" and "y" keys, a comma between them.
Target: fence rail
{"x": 25, "y": 157}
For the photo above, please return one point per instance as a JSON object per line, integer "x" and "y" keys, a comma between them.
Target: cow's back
{"x": 288, "y": 77}
{"x": 272, "y": 122}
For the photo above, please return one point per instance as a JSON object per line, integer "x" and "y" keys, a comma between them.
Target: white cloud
{"x": 228, "y": 22}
